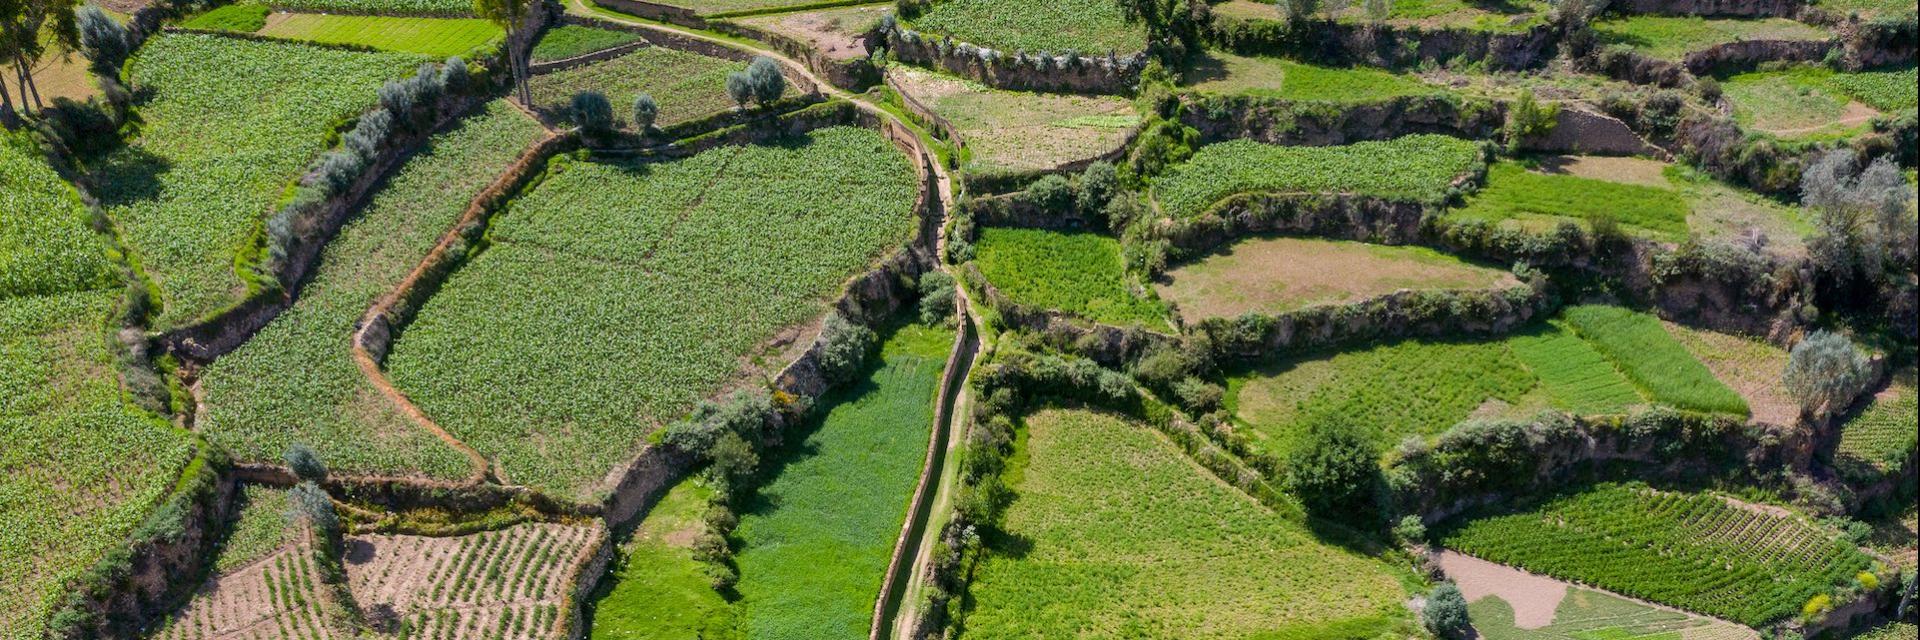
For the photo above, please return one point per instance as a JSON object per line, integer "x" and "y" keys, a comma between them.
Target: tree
{"x": 507, "y": 15}
{"x": 1335, "y": 471}
{"x": 734, "y": 462}
{"x": 311, "y": 504}
{"x": 1446, "y": 611}
{"x": 1529, "y": 120}
{"x": 593, "y": 113}
{"x": 1865, "y": 228}
{"x": 740, "y": 88}
{"x": 23, "y": 27}
{"x": 1823, "y": 369}
{"x": 305, "y": 463}
{"x": 844, "y": 344}
{"x": 103, "y": 41}
{"x": 1173, "y": 26}
{"x": 767, "y": 81}
{"x": 936, "y": 297}
{"x": 645, "y": 111}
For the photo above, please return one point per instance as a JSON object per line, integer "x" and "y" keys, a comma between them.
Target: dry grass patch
{"x": 1010, "y": 131}
{"x": 1751, "y": 367}
{"x": 1276, "y": 275}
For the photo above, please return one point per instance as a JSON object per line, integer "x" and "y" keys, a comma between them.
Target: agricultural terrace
{"x": 1881, "y": 438}
{"x": 1417, "y": 168}
{"x": 839, "y": 34}
{"x": 1890, "y": 631}
{"x": 1010, "y": 132}
{"x": 1276, "y": 275}
{"x": 441, "y": 37}
{"x": 260, "y": 528}
{"x": 724, "y": 8}
{"x": 685, "y": 84}
{"x": 1079, "y": 273}
{"x": 1698, "y": 552}
{"x": 1222, "y": 73}
{"x": 816, "y": 540}
{"x": 214, "y": 155}
{"x": 1091, "y": 27}
{"x": 1644, "y": 196}
{"x": 569, "y": 40}
{"x": 1817, "y": 102}
{"x": 513, "y": 583}
{"x": 1115, "y": 533}
{"x": 615, "y": 295}
{"x": 1751, "y": 368}
{"x": 1591, "y": 360}
{"x": 398, "y": 7}
{"x": 1867, "y": 8}
{"x": 278, "y": 596}
{"x": 656, "y": 589}
{"x": 1673, "y": 37}
{"x": 1508, "y": 604}
{"x": 1505, "y": 17}
{"x": 296, "y": 380}
{"x": 83, "y": 466}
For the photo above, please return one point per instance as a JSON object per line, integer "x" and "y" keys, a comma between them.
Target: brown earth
{"x": 1750, "y": 367}
{"x": 838, "y": 33}
{"x": 278, "y": 596}
{"x": 1534, "y": 598}
{"x": 511, "y": 583}
{"x": 1275, "y": 275}
{"x": 1640, "y": 171}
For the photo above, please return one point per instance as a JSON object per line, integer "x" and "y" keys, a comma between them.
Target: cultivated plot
{"x": 1012, "y": 132}
{"x": 1079, "y": 273}
{"x": 1222, "y": 73}
{"x": 1418, "y": 168}
{"x": 1673, "y": 37}
{"x": 514, "y": 583}
{"x": 685, "y": 85}
{"x": 277, "y": 596}
{"x": 1090, "y": 27}
{"x": 1509, "y": 604}
{"x": 1276, "y": 275}
{"x": 1504, "y": 17}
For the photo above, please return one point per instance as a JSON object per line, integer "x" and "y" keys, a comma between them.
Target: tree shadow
{"x": 1202, "y": 67}
{"x": 130, "y": 175}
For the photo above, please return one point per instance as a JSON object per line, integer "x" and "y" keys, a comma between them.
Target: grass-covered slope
{"x": 614, "y": 295}
{"x": 1653, "y": 359}
{"x": 1079, "y": 273}
{"x": 655, "y": 589}
{"x": 569, "y": 40}
{"x": 296, "y": 380}
{"x": 1114, "y": 533}
{"x": 1693, "y": 551}
{"x": 1515, "y": 193}
{"x": 229, "y": 124}
{"x": 1673, "y": 37}
{"x": 1416, "y": 168}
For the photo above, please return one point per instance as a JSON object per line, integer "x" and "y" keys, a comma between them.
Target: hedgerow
{"x": 295, "y": 380}
{"x": 1418, "y": 167}
{"x": 1693, "y": 551}
{"x": 216, "y": 152}
{"x": 615, "y": 295}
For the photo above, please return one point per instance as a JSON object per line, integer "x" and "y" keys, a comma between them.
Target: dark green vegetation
{"x": 1656, "y": 362}
{"x": 296, "y": 380}
{"x": 687, "y": 85}
{"x": 1672, "y": 37}
{"x": 614, "y": 295}
{"x": 1693, "y": 551}
{"x": 1080, "y": 273}
{"x": 1091, "y": 27}
{"x": 243, "y": 17}
{"x": 1416, "y": 168}
{"x": 1115, "y": 533}
{"x": 214, "y": 155}
{"x": 1515, "y": 193}
{"x": 569, "y": 40}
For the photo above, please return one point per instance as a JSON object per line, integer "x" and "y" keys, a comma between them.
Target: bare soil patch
{"x": 510, "y": 583}
{"x": 834, "y": 32}
{"x": 1013, "y": 131}
{"x": 276, "y": 597}
{"x": 1534, "y": 598}
{"x": 1640, "y": 171}
{"x": 1275, "y": 275}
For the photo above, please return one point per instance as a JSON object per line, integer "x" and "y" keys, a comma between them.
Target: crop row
{"x": 511, "y": 622}
{"x": 45, "y": 245}
{"x": 279, "y": 598}
{"x": 296, "y": 381}
{"x": 1653, "y": 359}
{"x": 1883, "y": 436}
{"x": 616, "y": 295}
{"x": 230, "y": 124}
{"x": 520, "y": 564}
{"x": 1697, "y": 552}
{"x": 1417, "y": 168}
{"x": 1513, "y": 192}
{"x": 1090, "y": 27}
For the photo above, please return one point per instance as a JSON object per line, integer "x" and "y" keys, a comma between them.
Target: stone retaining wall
{"x": 1082, "y": 73}
{"x": 538, "y": 68}
{"x": 852, "y": 74}
{"x": 1320, "y": 124}
{"x": 671, "y": 40}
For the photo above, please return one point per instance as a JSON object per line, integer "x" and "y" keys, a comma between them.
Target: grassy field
{"x": 1224, "y": 73}
{"x": 1276, "y": 275}
{"x": 439, "y": 37}
{"x": 214, "y": 155}
{"x": 1574, "y": 376}
{"x": 1692, "y": 551}
{"x": 1115, "y": 533}
{"x": 569, "y": 40}
{"x": 1880, "y": 439}
{"x": 713, "y": 7}
{"x": 1586, "y": 614}
{"x": 1007, "y": 131}
{"x": 260, "y": 529}
{"x": 45, "y": 244}
{"x": 1816, "y": 102}
{"x": 1416, "y": 167}
{"x": 816, "y": 539}
{"x": 1091, "y": 27}
{"x": 616, "y": 295}
{"x": 1657, "y": 363}
{"x": 296, "y": 381}
{"x": 686, "y": 85}
{"x": 1867, "y": 8}
{"x": 1079, "y": 273}
{"x": 1513, "y": 192}
{"x": 655, "y": 589}
{"x": 243, "y": 17}
{"x": 1673, "y": 37}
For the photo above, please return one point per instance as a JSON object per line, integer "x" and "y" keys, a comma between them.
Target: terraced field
{"x": 1878, "y": 440}
{"x": 1116, "y": 534}
{"x": 569, "y": 40}
{"x": 1223, "y": 73}
{"x": 655, "y": 589}
{"x": 1672, "y": 37}
{"x": 1513, "y": 192}
{"x": 1414, "y": 168}
{"x": 278, "y": 596}
{"x": 297, "y": 381}
{"x": 1079, "y": 273}
{"x": 1276, "y": 275}
{"x": 686, "y": 85}
{"x": 1008, "y": 131}
{"x": 615, "y": 295}
{"x": 1091, "y": 27}
{"x": 1693, "y": 551}
{"x": 213, "y": 155}
{"x": 513, "y": 583}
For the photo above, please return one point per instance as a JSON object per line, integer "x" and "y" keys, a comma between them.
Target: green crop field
{"x": 214, "y": 154}
{"x": 1812, "y": 101}
{"x": 45, "y": 245}
{"x": 440, "y": 37}
{"x": 615, "y": 295}
{"x": 817, "y": 538}
{"x": 260, "y": 528}
{"x": 1080, "y": 273}
{"x": 1672, "y": 37}
{"x": 1224, "y": 73}
{"x": 1515, "y": 193}
{"x": 655, "y": 589}
{"x": 1882, "y": 437}
{"x": 395, "y": 7}
{"x": 1692, "y": 551}
{"x": 1653, "y": 359}
{"x": 569, "y": 40}
{"x": 243, "y": 17}
{"x": 686, "y": 85}
{"x": 1091, "y": 27}
{"x": 1504, "y": 17}
{"x": 1573, "y": 374}
{"x": 1115, "y": 533}
{"x": 296, "y": 380}
{"x": 729, "y": 7}
{"x": 1417, "y": 167}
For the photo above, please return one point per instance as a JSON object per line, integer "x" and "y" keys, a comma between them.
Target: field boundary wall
{"x": 563, "y": 64}
{"x": 671, "y": 40}
{"x": 1075, "y": 73}
{"x": 1284, "y": 122}
{"x": 1336, "y": 43}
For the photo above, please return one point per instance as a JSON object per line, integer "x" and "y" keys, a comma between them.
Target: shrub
{"x": 593, "y": 113}
{"x": 734, "y": 463}
{"x": 369, "y": 134}
{"x": 1529, "y": 120}
{"x": 936, "y": 297}
{"x": 744, "y": 413}
{"x": 338, "y": 169}
{"x": 1824, "y": 370}
{"x": 1335, "y": 472}
{"x": 740, "y": 88}
{"x": 306, "y": 463}
{"x": 1098, "y": 183}
{"x": 399, "y": 98}
{"x": 1198, "y": 396}
{"x": 645, "y": 111}
{"x": 767, "y": 81}
{"x": 1446, "y": 612}
{"x": 1410, "y": 529}
{"x": 1051, "y": 193}
{"x": 453, "y": 75}
{"x": 103, "y": 41}
{"x": 312, "y": 505}
{"x": 843, "y": 346}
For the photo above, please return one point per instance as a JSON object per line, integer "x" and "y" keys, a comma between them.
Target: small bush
{"x": 1050, "y": 193}
{"x": 1446, "y": 612}
{"x": 645, "y": 112}
{"x": 767, "y": 81}
{"x": 739, "y": 88}
{"x": 306, "y": 463}
{"x": 1335, "y": 472}
{"x": 844, "y": 345}
{"x": 593, "y": 113}
{"x": 1825, "y": 370}
{"x": 454, "y": 76}
{"x": 1411, "y": 530}
{"x": 936, "y": 297}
